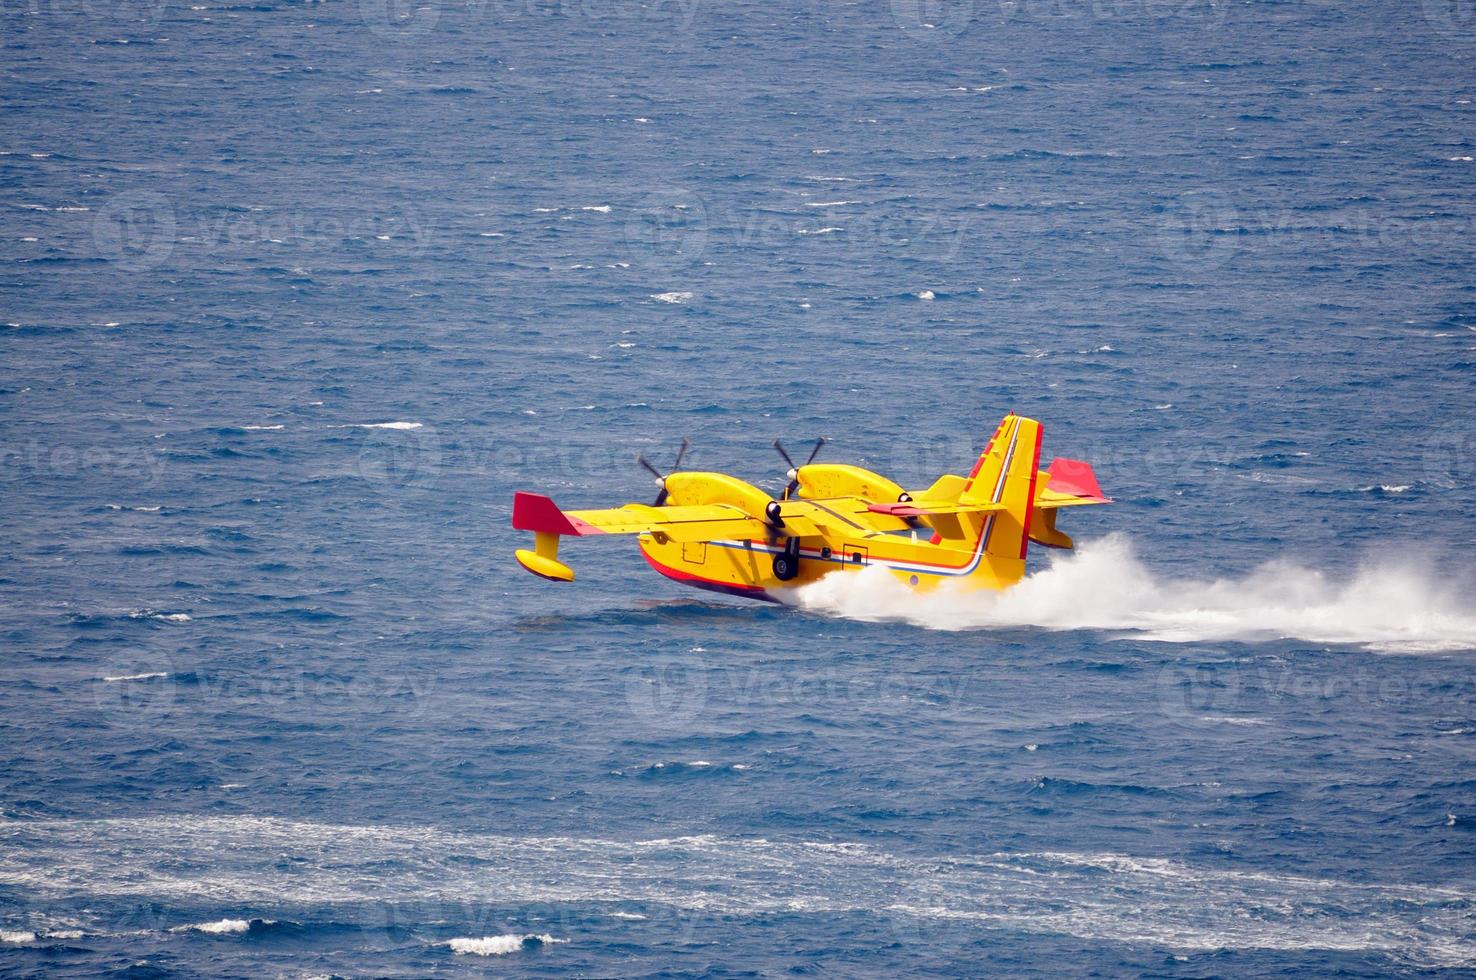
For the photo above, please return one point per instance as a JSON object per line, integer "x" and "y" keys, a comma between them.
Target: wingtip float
{"x": 717, "y": 532}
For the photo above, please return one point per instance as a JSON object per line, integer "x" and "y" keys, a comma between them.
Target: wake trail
{"x": 1103, "y": 586}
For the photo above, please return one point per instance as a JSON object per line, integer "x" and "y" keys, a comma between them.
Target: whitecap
{"x": 828, "y": 230}
{"x": 601, "y": 208}
{"x": 672, "y": 297}
{"x": 501, "y": 945}
{"x": 379, "y": 425}
{"x": 926, "y": 294}
{"x": 1175, "y": 905}
{"x": 136, "y": 677}
{"x": 262, "y": 428}
{"x": 17, "y": 937}
{"x": 828, "y": 204}
{"x": 221, "y": 927}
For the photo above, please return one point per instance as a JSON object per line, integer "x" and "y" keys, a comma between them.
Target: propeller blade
{"x": 681, "y": 453}
{"x": 816, "y": 451}
{"x": 780, "y": 446}
{"x": 643, "y": 461}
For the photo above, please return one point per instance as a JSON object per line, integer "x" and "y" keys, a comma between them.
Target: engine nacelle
{"x": 820, "y": 480}
{"x": 717, "y": 488}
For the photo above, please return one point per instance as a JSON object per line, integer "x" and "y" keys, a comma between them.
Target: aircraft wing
{"x": 684, "y": 522}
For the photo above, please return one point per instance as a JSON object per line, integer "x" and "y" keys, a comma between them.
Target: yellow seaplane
{"x": 717, "y": 532}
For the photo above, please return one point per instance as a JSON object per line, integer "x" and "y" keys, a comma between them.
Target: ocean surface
{"x": 296, "y": 295}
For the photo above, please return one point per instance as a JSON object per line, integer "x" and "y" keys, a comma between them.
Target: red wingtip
{"x": 535, "y": 512}
{"x": 1076, "y": 478}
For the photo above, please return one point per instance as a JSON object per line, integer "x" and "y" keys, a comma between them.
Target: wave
{"x": 221, "y": 927}
{"x": 1105, "y": 897}
{"x": 1103, "y": 586}
{"x": 137, "y": 677}
{"x": 160, "y": 616}
{"x": 379, "y": 425}
{"x": 501, "y": 945}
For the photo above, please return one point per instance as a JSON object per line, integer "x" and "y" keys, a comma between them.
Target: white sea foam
{"x": 136, "y": 677}
{"x": 17, "y": 937}
{"x": 501, "y": 945}
{"x": 1106, "y": 897}
{"x": 162, "y": 617}
{"x": 827, "y": 230}
{"x": 828, "y": 204}
{"x": 1104, "y": 586}
{"x": 262, "y": 428}
{"x": 926, "y": 294}
{"x": 379, "y": 425}
{"x": 671, "y": 297}
{"x": 220, "y": 927}
{"x": 601, "y": 208}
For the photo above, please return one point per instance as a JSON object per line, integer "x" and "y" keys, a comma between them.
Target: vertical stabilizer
{"x": 1005, "y": 474}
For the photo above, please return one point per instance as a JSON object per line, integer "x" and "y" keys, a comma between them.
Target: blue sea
{"x": 295, "y": 295}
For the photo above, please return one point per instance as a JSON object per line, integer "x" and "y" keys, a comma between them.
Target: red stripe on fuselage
{"x": 697, "y": 581}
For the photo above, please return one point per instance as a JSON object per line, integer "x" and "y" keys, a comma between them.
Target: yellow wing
{"x": 696, "y": 522}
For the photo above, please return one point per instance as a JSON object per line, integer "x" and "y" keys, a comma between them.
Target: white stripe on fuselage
{"x": 896, "y": 564}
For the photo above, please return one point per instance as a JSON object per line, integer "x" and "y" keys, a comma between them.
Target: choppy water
{"x": 296, "y": 295}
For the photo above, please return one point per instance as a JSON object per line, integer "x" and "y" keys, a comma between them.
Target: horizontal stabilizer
{"x": 1071, "y": 483}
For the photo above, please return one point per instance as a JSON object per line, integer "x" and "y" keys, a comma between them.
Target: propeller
{"x": 793, "y": 473}
{"x": 660, "y": 477}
